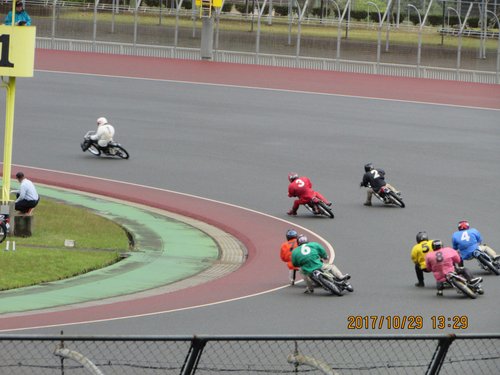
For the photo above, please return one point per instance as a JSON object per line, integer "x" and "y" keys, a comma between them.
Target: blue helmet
{"x": 290, "y": 234}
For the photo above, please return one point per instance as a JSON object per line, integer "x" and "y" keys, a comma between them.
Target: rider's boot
{"x": 345, "y": 277}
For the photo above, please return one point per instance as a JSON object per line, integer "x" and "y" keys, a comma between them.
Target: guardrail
{"x": 467, "y": 32}
{"x": 175, "y": 33}
{"x": 348, "y": 66}
{"x": 356, "y": 354}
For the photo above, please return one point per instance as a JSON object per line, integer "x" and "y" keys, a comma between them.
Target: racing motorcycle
{"x": 462, "y": 286}
{"x": 317, "y": 207}
{"x": 4, "y": 227}
{"x": 113, "y": 149}
{"x": 330, "y": 283}
{"x": 388, "y": 196}
{"x": 486, "y": 262}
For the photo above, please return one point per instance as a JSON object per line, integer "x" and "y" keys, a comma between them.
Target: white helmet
{"x": 102, "y": 121}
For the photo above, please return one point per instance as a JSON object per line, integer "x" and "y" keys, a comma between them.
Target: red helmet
{"x": 292, "y": 176}
{"x": 463, "y": 225}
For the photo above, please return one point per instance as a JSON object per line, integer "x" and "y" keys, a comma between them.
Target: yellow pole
{"x": 14, "y": 62}
{"x": 9, "y": 133}
{"x": 9, "y": 126}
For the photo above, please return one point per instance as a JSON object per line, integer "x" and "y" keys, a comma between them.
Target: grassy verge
{"x": 43, "y": 256}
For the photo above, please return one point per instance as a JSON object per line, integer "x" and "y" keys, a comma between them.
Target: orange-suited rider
{"x": 423, "y": 246}
{"x": 301, "y": 187}
{"x": 286, "y": 253}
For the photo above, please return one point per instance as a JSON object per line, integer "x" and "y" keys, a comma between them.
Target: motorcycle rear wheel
{"x": 120, "y": 152}
{"x": 463, "y": 288}
{"x": 329, "y": 286}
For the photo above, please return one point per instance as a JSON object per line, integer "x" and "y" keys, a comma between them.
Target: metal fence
{"x": 357, "y": 354}
{"x": 298, "y": 40}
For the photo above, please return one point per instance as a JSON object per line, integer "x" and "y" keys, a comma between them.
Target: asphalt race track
{"x": 234, "y": 143}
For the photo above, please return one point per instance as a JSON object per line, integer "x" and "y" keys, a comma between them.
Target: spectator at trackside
{"x": 27, "y": 197}
{"x": 22, "y": 17}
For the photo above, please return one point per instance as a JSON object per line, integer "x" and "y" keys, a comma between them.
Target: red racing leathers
{"x": 302, "y": 188}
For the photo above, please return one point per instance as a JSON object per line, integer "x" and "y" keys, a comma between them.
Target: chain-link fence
{"x": 342, "y": 355}
{"x": 254, "y": 32}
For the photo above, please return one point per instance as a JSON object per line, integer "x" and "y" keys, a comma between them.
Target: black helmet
{"x": 291, "y": 233}
{"x": 422, "y": 236}
{"x": 437, "y": 244}
{"x": 292, "y": 176}
{"x": 368, "y": 167}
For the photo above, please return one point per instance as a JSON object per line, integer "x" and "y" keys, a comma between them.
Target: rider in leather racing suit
{"x": 286, "y": 252}
{"x": 441, "y": 261}
{"x": 301, "y": 187}
{"x": 375, "y": 178}
{"x": 309, "y": 257}
{"x": 104, "y": 134}
{"x": 467, "y": 239}
{"x": 418, "y": 252}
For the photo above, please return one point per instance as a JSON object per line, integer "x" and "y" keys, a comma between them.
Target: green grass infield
{"x": 43, "y": 257}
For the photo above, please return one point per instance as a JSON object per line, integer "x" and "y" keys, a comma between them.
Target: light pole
{"x": 419, "y": 51}
{"x": 379, "y": 33}
{"x": 498, "y": 48}
{"x": 459, "y": 49}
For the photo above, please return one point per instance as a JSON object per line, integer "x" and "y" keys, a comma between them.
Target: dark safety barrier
{"x": 357, "y": 354}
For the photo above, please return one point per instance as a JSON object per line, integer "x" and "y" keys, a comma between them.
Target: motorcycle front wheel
{"x": 396, "y": 199}
{"x": 325, "y": 210}
{"x": 94, "y": 150}
{"x": 488, "y": 264}
{"x": 121, "y": 152}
